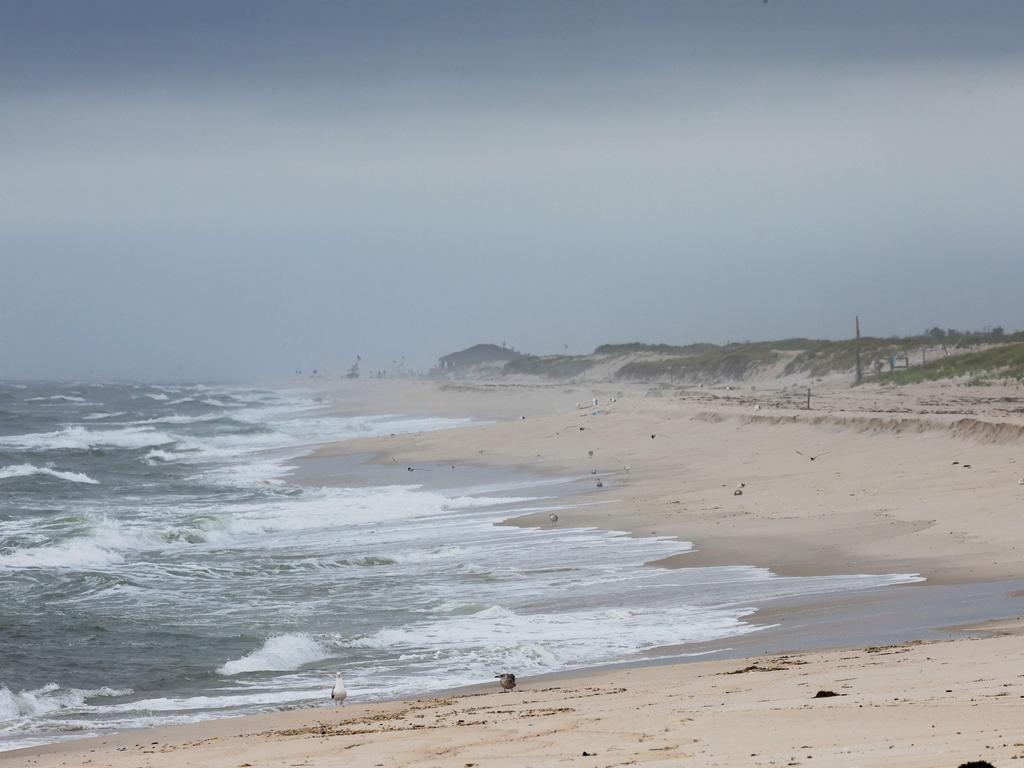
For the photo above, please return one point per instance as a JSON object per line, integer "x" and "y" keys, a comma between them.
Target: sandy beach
{"x": 916, "y": 480}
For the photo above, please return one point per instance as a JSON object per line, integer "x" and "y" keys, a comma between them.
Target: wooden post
{"x": 860, "y": 372}
{"x": 808, "y": 398}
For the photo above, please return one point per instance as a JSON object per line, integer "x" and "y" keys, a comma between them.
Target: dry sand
{"x": 893, "y": 493}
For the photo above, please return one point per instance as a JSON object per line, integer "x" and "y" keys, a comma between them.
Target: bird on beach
{"x": 599, "y": 484}
{"x": 816, "y": 456}
{"x": 507, "y": 681}
{"x": 553, "y": 518}
{"x": 338, "y": 692}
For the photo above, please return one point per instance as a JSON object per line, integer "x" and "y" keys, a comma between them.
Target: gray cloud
{"x": 239, "y": 190}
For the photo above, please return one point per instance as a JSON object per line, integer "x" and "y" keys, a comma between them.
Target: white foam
{"x": 76, "y": 554}
{"x": 103, "y": 544}
{"x": 338, "y": 508}
{"x": 80, "y": 438}
{"x": 49, "y": 699}
{"x": 279, "y": 653}
{"x": 103, "y": 415}
{"x": 156, "y": 455}
{"x": 26, "y": 470}
{"x": 468, "y": 647}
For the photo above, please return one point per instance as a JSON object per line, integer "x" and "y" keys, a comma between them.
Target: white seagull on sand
{"x": 338, "y": 692}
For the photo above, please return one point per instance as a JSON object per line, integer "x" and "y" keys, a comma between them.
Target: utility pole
{"x": 860, "y": 372}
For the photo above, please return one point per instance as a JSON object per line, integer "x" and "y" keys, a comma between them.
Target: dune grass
{"x": 1004, "y": 361}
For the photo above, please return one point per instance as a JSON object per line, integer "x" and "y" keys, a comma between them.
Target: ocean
{"x": 159, "y": 565}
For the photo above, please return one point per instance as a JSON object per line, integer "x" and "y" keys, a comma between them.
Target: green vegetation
{"x": 823, "y": 357}
{"x": 732, "y": 362}
{"x": 659, "y": 349}
{"x": 813, "y": 358}
{"x": 552, "y": 366}
{"x": 999, "y": 362}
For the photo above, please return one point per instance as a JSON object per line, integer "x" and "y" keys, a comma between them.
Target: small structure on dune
{"x": 477, "y": 355}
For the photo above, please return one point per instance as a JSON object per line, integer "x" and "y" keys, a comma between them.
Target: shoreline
{"x": 642, "y": 510}
{"x": 888, "y": 700}
{"x": 845, "y": 539}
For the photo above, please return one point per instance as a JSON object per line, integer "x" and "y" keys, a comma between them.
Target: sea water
{"x": 158, "y": 566}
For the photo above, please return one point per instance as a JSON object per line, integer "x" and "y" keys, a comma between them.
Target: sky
{"x": 234, "y": 190}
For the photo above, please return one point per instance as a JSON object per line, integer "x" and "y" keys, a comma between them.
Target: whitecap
{"x": 76, "y": 554}
{"x": 157, "y": 456}
{"x": 279, "y": 653}
{"x": 80, "y": 438}
{"x": 26, "y": 470}
{"x": 103, "y": 415}
{"x": 49, "y": 699}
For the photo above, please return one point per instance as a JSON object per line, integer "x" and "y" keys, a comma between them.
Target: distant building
{"x": 479, "y": 354}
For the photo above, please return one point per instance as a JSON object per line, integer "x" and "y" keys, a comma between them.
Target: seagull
{"x": 508, "y": 681}
{"x": 599, "y": 483}
{"x": 553, "y": 518}
{"x": 812, "y": 458}
{"x": 338, "y": 692}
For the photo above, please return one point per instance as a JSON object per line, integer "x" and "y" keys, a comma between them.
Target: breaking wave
{"x": 27, "y": 470}
{"x": 280, "y": 653}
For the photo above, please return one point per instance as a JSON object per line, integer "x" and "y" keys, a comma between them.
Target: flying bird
{"x": 816, "y": 456}
{"x": 338, "y": 692}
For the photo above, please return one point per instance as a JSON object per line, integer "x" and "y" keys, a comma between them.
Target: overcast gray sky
{"x": 235, "y": 189}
